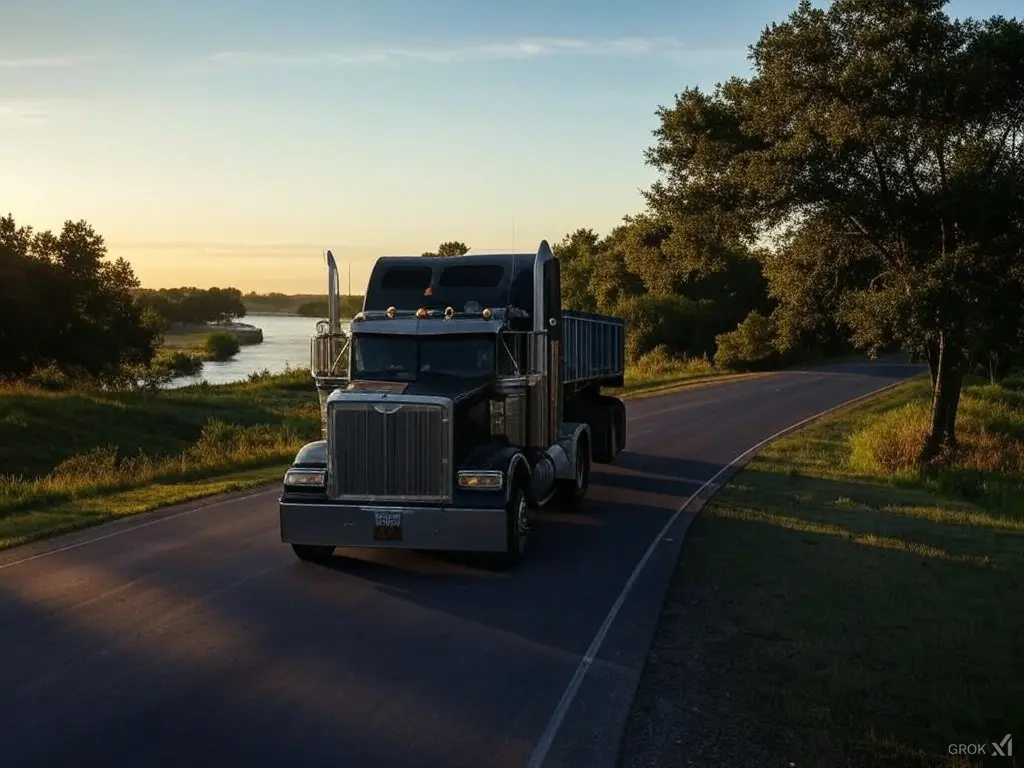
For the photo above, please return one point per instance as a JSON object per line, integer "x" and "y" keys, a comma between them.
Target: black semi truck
{"x": 463, "y": 399}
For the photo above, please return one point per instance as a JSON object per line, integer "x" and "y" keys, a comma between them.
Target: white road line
{"x": 547, "y": 739}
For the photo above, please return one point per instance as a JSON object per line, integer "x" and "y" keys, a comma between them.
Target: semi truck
{"x": 463, "y": 399}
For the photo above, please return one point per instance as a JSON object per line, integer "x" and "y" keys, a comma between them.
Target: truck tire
{"x": 616, "y": 413}
{"x": 571, "y": 492}
{"x": 517, "y": 526}
{"x": 313, "y": 553}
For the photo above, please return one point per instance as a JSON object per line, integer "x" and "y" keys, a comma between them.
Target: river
{"x": 285, "y": 344}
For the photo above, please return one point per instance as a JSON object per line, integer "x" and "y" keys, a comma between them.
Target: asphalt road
{"x": 196, "y": 635}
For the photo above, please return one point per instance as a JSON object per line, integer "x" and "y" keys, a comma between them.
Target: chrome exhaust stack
{"x": 333, "y": 291}
{"x": 328, "y": 347}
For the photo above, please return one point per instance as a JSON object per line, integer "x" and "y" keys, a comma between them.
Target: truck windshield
{"x": 405, "y": 358}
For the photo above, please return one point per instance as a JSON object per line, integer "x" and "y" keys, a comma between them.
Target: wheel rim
{"x": 522, "y": 523}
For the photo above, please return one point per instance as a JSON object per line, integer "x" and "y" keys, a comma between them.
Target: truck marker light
{"x": 422, "y": 312}
{"x": 449, "y": 313}
{"x": 483, "y": 480}
{"x": 487, "y": 313}
{"x": 391, "y": 313}
{"x": 359, "y": 316}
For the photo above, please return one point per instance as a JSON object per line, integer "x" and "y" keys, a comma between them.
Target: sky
{"x": 229, "y": 142}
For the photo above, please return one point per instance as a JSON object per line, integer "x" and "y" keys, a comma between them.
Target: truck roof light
{"x": 391, "y": 312}
{"x": 449, "y": 313}
{"x": 359, "y": 316}
{"x": 422, "y": 312}
{"x": 487, "y": 313}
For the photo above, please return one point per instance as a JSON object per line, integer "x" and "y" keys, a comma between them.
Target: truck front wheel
{"x": 313, "y": 553}
{"x": 517, "y": 526}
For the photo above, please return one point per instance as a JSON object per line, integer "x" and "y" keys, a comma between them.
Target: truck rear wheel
{"x": 571, "y": 492}
{"x": 313, "y": 553}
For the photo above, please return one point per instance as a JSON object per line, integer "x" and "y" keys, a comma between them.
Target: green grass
{"x": 835, "y": 605}
{"x": 68, "y": 456}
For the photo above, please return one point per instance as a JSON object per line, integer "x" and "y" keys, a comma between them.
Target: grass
{"x": 76, "y": 458}
{"x": 836, "y": 605}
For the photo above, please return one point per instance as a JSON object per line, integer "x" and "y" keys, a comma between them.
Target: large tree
{"x": 881, "y": 143}
{"x": 63, "y": 303}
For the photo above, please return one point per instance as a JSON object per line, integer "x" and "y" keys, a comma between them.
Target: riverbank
{"x": 76, "y": 458}
{"x": 833, "y": 605}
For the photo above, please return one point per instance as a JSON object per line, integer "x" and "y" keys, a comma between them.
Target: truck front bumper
{"x": 452, "y": 529}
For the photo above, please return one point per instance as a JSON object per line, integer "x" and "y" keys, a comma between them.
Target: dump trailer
{"x": 463, "y": 399}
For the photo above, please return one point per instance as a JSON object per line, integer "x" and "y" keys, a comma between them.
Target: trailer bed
{"x": 593, "y": 348}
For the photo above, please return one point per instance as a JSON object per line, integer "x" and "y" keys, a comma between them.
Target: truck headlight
{"x": 483, "y": 480}
{"x": 306, "y": 478}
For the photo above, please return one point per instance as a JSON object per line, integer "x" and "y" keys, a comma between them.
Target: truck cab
{"x": 463, "y": 400}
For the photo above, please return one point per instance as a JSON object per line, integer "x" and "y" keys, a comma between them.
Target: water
{"x": 285, "y": 344}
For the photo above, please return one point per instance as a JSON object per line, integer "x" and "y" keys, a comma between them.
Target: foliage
{"x": 751, "y": 345}
{"x": 221, "y": 346}
{"x": 193, "y": 305}
{"x": 880, "y": 146}
{"x": 66, "y": 308}
{"x": 274, "y": 302}
{"x": 349, "y": 306}
{"x": 449, "y": 248}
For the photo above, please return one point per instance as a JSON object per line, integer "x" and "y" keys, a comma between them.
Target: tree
{"x": 62, "y": 304}
{"x": 881, "y": 145}
{"x": 450, "y": 248}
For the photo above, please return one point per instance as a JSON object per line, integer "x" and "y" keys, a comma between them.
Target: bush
{"x": 990, "y": 433}
{"x": 751, "y": 345}
{"x": 221, "y": 346}
{"x": 681, "y": 325}
{"x": 660, "y": 363}
{"x": 892, "y": 443}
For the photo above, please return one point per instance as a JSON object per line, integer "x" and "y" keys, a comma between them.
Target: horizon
{"x": 214, "y": 147}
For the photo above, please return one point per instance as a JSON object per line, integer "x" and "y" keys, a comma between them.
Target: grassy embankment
{"x": 834, "y": 606}
{"x": 71, "y": 459}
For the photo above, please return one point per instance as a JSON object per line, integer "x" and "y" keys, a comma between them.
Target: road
{"x": 196, "y": 635}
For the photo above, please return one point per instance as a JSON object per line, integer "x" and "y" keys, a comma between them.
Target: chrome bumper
{"x": 452, "y": 529}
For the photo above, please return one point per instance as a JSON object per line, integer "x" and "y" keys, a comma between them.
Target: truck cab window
{"x": 403, "y": 358}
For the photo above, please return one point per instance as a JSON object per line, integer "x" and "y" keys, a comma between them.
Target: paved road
{"x": 197, "y": 636}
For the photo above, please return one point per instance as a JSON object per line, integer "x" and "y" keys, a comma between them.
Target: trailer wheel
{"x": 517, "y": 526}
{"x": 313, "y": 553}
{"x": 571, "y": 492}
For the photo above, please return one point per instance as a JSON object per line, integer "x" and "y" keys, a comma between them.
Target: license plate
{"x": 387, "y": 525}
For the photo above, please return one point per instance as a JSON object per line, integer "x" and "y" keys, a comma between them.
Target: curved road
{"x": 194, "y": 634}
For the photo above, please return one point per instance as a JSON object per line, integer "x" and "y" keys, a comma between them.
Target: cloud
{"x": 35, "y": 111}
{"x": 58, "y": 62}
{"x": 518, "y": 49}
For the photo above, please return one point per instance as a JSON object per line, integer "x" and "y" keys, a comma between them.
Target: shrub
{"x": 892, "y": 443}
{"x": 989, "y": 434}
{"x": 751, "y": 345}
{"x": 222, "y": 346}
{"x": 681, "y": 325}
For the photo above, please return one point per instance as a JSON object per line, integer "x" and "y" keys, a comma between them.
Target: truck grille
{"x": 393, "y": 450}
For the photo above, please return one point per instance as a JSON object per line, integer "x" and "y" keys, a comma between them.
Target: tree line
{"x": 193, "y": 305}
{"x": 862, "y": 189}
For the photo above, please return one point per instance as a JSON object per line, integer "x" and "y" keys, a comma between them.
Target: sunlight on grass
{"x": 858, "y": 610}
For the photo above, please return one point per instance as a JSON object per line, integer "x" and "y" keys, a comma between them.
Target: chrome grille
{"x": 394, "y": 450}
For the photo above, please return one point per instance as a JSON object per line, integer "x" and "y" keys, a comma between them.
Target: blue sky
{"x": 216, "y": 142}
